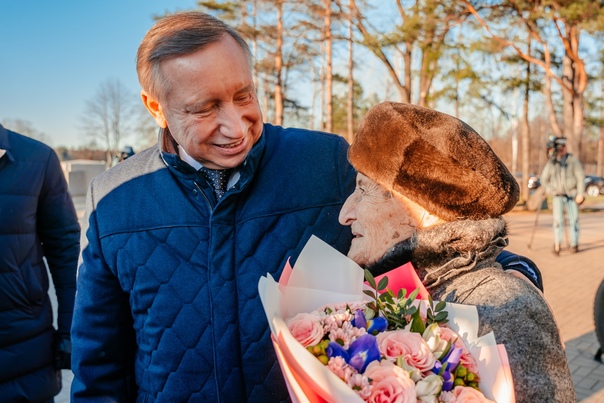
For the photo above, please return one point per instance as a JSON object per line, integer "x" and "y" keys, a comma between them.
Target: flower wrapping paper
{"x": 322, "y": 276}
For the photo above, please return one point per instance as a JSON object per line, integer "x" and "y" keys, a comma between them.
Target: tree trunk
{"x": 547, "y": 93}
{"x": 600, "y": 141}
{"x": 577, "y": 133}
{"x": 600, "y": 151}
{"x": 255, "y": 43}
{"x": 350, "y": 103}
{"x": 266, "y": 91}
{"x": 328, "y": 71}
{"x": 279, "y": 66}
{"x": 322, "y": 112}
{"x": 407, "y": 57}
{"x": 567, "y": 97}
{"x": 525, "y": 133}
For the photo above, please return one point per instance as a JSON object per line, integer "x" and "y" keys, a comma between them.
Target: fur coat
{"x": 456, "y": 262}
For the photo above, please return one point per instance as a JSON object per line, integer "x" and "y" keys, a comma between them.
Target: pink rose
{"x": 390, "y": 383}
{"x": 306, "y": 328}
{"x": 468, "y": 361}
{"x": 410, "y": 346}
{"x": 447, "y": 397}
{"x": 469, "y": 395}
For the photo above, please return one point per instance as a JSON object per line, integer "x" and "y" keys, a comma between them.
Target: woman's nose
{"x": 347, "y": 213}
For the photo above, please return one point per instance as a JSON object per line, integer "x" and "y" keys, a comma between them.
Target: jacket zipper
{"x": 204, "y": 196}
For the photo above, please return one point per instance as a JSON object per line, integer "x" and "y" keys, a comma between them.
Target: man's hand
{"x": 580, "y": 199}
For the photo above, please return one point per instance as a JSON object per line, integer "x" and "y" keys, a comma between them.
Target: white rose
{"x": 427, "y": 389}
{"x": 433, "y": 338}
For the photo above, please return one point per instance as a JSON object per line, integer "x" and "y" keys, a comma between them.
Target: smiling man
{"x": 178, "y": 235}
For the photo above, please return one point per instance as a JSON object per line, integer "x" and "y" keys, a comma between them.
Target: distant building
{"x": 79, "y": 174}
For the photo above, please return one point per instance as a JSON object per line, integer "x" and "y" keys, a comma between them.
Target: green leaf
{"x": 370, "y": 293}
{"x": 417, "y": 324}
{"x": 370, "y": 279}
{"x": 383, "y": 283}
{"x": 413, "y": 295}
{"x": 441, "y": 316}
{"x": 440, "y": 306}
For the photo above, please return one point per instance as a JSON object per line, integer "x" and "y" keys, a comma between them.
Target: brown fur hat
{"x": 434, "y": 159}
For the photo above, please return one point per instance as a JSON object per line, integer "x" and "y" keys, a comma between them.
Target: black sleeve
{"x": 512, "y": 261}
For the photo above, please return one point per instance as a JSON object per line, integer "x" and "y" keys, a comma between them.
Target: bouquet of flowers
{"x": 338, "y": 339}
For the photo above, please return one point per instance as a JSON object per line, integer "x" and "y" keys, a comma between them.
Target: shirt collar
{"x": 188, "y": 159}
{"x": 196, "y": 165}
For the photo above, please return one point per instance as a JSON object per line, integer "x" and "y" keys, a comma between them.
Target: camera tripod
{"x": 564, "y": 223}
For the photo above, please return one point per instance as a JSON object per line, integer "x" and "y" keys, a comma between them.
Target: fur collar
{"x": 442, "y": 251}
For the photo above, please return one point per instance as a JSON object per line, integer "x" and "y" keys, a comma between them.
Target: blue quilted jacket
{"x": 37, "y": 220}
{"x": 167, "y": 307}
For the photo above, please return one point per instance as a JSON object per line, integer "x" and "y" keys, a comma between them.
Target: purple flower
{"x": 377, "y": 325}
{"x": 359, "y": 320}
{"x": 335, "y": 350}
{"x": 373, "y": 326}
{"x": 362, "y": 351}
{"x": 447, "y": 381}
{"x": 452, "y": 359}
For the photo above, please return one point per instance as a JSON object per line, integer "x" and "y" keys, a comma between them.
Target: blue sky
{"x": 54, "y": 55}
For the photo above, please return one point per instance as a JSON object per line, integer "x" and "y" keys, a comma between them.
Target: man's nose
{"x": 232, "y": 122}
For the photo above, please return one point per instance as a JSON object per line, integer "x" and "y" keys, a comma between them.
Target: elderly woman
{"x": 431, "y": 191}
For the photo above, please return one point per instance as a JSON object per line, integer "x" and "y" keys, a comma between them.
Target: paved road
{"x": 570, "y": 282}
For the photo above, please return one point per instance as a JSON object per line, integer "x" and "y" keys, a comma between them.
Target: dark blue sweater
{"x": 37, "y": 219}
{"x": 167, "y": 307}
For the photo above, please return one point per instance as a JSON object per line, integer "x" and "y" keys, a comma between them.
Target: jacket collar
{"x": 5, "y": 147}
{"x": 168, "y": 148}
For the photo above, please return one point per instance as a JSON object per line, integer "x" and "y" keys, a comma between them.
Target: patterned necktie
{"x": 218, "y": 178}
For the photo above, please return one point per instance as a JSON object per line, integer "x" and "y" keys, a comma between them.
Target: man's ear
{"x": 154, "y": 109}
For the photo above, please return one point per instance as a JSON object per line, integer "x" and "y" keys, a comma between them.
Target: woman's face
{"x": 378, "y": 220}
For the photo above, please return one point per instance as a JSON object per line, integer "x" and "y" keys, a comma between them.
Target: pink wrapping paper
{"x": 404, "y": 277}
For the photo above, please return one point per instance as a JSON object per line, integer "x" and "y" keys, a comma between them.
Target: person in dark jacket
{"x": 177, "y": 236}
{"x": 37, "y": 222}
{"x": 430, "y": 191}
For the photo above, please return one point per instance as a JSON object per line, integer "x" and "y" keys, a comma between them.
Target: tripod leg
{"x": 566, "y": 223}
{"x": 535, "y": 224}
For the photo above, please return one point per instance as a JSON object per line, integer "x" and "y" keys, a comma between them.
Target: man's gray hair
{"x": 177, "y": 35}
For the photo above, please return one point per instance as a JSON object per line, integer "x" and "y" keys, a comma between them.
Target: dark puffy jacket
{"x": 37, "y": 219}
{"x": 167, "y": 308}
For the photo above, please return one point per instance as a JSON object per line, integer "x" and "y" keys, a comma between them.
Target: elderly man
{"x": 177, "y": 236}
{"x": 431, "y": 192}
